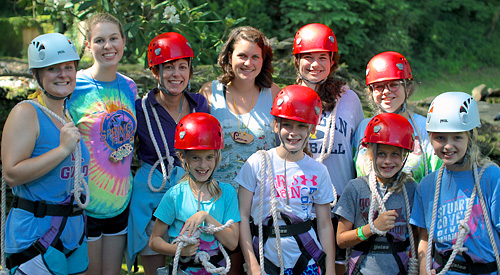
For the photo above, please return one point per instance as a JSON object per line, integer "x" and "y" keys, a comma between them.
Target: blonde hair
{"x": 403, "y": 178}
{"x": 213, "y": 185}
{"x": 473, "y": 153}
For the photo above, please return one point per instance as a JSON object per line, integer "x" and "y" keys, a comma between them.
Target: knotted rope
{"x": 166, "y": 173}
{"x": 380, "y": 202}
{"x": 463, "y": 228}
{"x": 265, "y": 162}
{"x": 202, "y": 256}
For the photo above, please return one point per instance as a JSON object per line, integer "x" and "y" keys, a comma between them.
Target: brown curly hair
{"x": 251, "y": 34}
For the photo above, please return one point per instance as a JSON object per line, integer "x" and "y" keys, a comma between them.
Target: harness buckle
{"x": 40, "y": 209}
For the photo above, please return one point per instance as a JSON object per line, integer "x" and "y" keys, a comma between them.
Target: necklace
{"x": 238, "y": 136}
{"x": 126, "y": 148}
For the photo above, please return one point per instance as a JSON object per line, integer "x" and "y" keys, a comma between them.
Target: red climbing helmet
{"x": 298, "y": 103}
{"x": 314, "y": 38}
{"x": 168, "y": 46}
{"x": 387, "y": 66}
{"x": 390, "y": 129}
{"x": 199, "y": 131}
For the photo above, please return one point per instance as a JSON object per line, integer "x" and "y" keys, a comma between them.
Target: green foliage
{"x": 143, "y": 20}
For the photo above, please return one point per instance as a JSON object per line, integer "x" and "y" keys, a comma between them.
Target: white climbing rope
{"x": 413, "y": 267}
{"x": 202, "y": 256}
{"x": 166, "y": 173}
{"x": 80, "y": 184}
{"x": 376, "y": 202}
{"x": 4, "y": 270}
{"x": 463, "y": 228}
{"x": 265, "y": 162}
{"x": 329, "y": 135}
{"x": 379, "y": 203}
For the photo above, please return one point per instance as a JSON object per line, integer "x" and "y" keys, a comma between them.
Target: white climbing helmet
{"x": 49, "y": 49}
{"x": 453, "y": 112}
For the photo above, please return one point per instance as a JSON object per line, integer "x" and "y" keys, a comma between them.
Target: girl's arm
{"x": 326, "y": 236}
{"x": 245, "y": 200}
{"x": 18, "y": 142}
{"x": 158, "y": 244}
{"x": 227, "y": 237}
{"x": 347, "y": 237}
{"x": 423, "y": 237}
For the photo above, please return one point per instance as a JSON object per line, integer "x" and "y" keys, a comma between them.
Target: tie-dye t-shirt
{"x": 105, "y": 114}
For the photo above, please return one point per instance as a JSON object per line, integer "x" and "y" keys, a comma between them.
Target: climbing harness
{"x": 59, "y": 213}
{"x": 463, "y": 228}
{"x": 371, "y": 246}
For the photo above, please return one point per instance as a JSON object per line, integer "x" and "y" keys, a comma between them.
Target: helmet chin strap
{"x": 47, "y": 93}
{"x": 377, "y": 172}
{"x": 161, "y": 84}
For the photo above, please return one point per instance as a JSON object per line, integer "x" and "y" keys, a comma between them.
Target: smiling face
{"x": 389, "y": 95}
{"x": 246, "y": 60}
{"x": 450, "y": 148}
{"x": 58, "y": 80}
{"x": 175, "y": 75}
{"x": 389, "y": 161}
{"x": 106, "y": 44}
{"x": 315, "y": 66}
{"x": 293, "y": 134}
{"x": 201, "y": 163}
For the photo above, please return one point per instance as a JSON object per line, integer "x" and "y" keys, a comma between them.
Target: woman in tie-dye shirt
{"x": 103, "y": 109}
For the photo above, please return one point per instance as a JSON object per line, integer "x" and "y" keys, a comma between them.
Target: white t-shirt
{"x": 308, "y": 183}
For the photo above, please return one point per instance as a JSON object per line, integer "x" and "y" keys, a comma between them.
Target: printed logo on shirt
{"x": 451, "y": 213}
{"x": 68, "y": 172}
{"x": 117, "y": 129}
{"x": 316, "y": 138}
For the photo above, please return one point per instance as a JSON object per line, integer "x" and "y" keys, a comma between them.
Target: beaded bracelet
{"x": 359, "y": 234}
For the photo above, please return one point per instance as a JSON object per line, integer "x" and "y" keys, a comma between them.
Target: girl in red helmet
{"x": 375, "y": 209}
{"x": 316, "y": 56}
{"x": 170, "y": 61}
{"x": 389, "y": 85}
{"x": 197, "y": 200}
{"x": 278, "y": 189}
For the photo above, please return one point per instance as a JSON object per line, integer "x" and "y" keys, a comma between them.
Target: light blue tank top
{"x": 22, "y": 228}
{"x": 259, "y": 121}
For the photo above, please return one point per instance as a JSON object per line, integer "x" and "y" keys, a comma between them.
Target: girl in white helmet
{"x": 456, "y": 208}
{"x": 103, "y": 109}
{"x": 46, "y": 163}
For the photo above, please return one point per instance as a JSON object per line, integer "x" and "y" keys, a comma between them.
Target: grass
{"x": 464, "y": 82}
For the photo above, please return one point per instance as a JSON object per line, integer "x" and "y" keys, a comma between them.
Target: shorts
{"x": 340, "y": 254}
{"x": 117, "y": 225}
{"x": 55, "y": 262}
{"x": 147, "y": 251}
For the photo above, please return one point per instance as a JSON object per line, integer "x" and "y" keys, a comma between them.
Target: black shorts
{"x": 340, "y": 254}
{"x": 110, "y": 226}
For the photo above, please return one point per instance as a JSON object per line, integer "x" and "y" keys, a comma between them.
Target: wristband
{"x": 359, "y": 234}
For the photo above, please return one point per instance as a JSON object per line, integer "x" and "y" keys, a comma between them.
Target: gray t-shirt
{"x": 354, "y": 206}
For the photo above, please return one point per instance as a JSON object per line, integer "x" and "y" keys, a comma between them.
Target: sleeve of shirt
{"x": 166, "y": 209}
{"x": 247, "y": 177}
{"x": 492, "y": 177}
{"x": 202, "y": 104}
{"x": 417, "y": 213}
{"x": 346, "y": 205}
